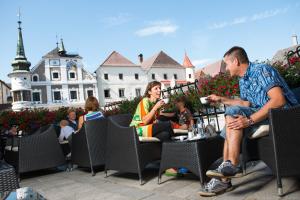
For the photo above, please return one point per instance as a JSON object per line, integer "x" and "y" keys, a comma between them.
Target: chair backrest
{"x": 122, "y": 119}
{"x": 285, "y": 131}
{"x": 96, "y": 134}
{"x": 296, "y": 91}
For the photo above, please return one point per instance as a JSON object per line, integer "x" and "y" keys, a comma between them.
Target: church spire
{"x": 62, "y": 49}
{"x": 20, "y": 62}
{"x": 187, "y": 62}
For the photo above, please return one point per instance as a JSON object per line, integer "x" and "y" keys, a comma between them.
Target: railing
{"x": 207, "y": 111}
{"x": 292, "y": 53}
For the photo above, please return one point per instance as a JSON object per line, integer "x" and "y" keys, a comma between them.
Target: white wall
{"x": 129, "y": 83}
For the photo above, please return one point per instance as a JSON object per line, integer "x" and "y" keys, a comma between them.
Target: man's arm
{"x": 227, "y": 101}
{"x": 277, "y": 100}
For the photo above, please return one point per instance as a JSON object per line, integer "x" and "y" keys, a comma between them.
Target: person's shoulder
{"x": 262, "y": 69}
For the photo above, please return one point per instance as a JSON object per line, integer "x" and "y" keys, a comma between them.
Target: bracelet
{"x": 250, "y": 121}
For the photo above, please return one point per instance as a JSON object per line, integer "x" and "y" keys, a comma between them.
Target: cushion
{"x": 180, "y": 131}
{"x": 262, "y": 130}
{"x": 149, "y": 139}
{"x": 64, "y": 142}
{"x": 8, "y": 148}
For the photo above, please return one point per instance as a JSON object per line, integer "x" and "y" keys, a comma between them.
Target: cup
{"x": 190, "y": 135}
{"x": 204, "y": 100}
{"x": 166, "y": 101}
{"x": 181, "y": 138}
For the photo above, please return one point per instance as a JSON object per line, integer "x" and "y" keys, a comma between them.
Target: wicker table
{"x": 196, "y": 156}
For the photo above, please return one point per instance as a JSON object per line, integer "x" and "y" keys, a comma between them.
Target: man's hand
{"x": 239, "y": 122}
{"x": 214, "y": 98}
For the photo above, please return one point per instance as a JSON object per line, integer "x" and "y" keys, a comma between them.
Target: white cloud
{"x": 244, "y": 19}
{"x": 164, "y": 27}
{"x": 201, "y": 62}
{"x": 119, "y": 19}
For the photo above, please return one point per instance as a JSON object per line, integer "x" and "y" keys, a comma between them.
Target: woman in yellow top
{"x": 146, "y": 113}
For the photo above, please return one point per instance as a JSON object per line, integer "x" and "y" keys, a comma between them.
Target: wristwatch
{"x": 250, "y": 121}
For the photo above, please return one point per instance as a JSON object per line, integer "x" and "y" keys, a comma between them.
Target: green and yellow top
{"x": 143, "y": 108}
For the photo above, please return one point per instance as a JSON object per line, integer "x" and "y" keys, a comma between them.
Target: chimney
{"x": 294, "y": 40}
{"x": 141, "y": 58}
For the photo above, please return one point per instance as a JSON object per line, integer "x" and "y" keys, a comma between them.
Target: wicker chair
{"x": 125, "y": 153}
{"x": 8, "y": 178}
{"x": 280, "y": 149}
{"x": 88, "y": 145}
{"x": 35, "y": 152}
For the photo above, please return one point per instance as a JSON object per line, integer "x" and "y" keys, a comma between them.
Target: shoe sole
{"x": 211, "y": 194}
{"x": 218, "y": 175}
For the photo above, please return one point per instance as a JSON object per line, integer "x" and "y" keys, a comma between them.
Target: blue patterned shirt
{"x": 258, "y": 80}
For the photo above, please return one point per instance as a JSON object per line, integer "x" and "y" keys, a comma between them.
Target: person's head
{"x": 13, "y": 129}
{"x": 72, "y": 114}
{"x": 63, "y": 123}
{"x": 91, "y": 104}
{"x": 235, "y": 60}
{"x": 153, "y": 90}
{"x": 180, "y": 102}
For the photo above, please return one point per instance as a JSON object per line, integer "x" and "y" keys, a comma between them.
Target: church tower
{"x": 20, "y": 76}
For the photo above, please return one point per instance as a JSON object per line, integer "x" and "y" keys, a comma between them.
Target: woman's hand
{"x": 239, "y": 122}
{"x": 159, "y": 104}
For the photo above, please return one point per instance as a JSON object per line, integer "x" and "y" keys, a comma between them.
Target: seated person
{"x": 184, "y": 115}
{"x": 72, "y": 119}
{"x": 92, "y": 109}
{"x": 65, "y": 130}
{"x": 144, "y": 118}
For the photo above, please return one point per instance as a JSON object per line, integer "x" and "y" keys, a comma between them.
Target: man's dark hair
{"x": 239, "y": 53}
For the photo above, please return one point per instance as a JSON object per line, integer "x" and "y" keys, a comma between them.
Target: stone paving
{"x": 79, "y": 184}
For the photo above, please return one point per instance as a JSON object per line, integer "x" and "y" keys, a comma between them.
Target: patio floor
{"x": 79, "y": 184}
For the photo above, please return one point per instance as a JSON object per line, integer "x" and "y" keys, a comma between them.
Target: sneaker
{"x": 171, "y": 172}
{"x": 215, "y": 187}
{"x": 225, "y": 170}
{"x": 183, "y": 170}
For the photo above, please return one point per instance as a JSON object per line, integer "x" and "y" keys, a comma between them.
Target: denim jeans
{"x": 245, "y": 111}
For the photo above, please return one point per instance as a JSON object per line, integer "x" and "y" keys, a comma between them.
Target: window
{"x": 138, "y": 92}
{"x": 55, "y": 75}
{"x": 107, "y": 93}
{"x": 36, "y": 96}
{"x": 136, "y": 76}
{"x": 121, "y": 93}
{"x": 153, "y": 76}
{"x": 90, "y": 93}
{"x": 72, "y": 75}
{"x": 190, "y": 75}
{"x": 73, "y": 95}
{"x": 35, "y": 78}
{"x": 17, "y": 96}
{"x": 121, "y": 76}
{"x": 165, "y": 76}
{"x": 106, "y": 76}
{"x": 56, "y": 96}
{"x": 175, "y": 76}
{"x": 26, "y": 95}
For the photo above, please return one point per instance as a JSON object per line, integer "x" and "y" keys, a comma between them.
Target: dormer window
{"x": 35, "y": 78}
{"x": 72, "y": 75}
{"x": 55, "y": 76}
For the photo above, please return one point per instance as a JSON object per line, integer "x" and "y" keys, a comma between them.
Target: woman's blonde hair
{"x": 150, "y": 86}
{"x": 91, "y": 104}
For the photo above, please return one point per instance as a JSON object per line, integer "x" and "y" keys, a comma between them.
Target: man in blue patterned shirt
{"x": 261, "y": 89}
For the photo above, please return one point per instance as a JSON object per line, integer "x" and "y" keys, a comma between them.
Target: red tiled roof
{"x": 116, "y": 59}
{"x": 187, "y": 62}
{"x": 211, "y": 69}
{"x": 160, "y": 60}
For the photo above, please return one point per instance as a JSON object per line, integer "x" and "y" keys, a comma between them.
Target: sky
{"x": 94, "y": 28}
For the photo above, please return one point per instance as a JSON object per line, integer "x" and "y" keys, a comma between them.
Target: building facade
{"x": 5, "y": 94}
{"x": 60, "y": 79}
{"x": 118, "y": 78}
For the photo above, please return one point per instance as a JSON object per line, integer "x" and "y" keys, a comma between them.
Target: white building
{"x": 118, "y": 78}
{"x": 60, "y": 79}
{"x": 5, "y": 94}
